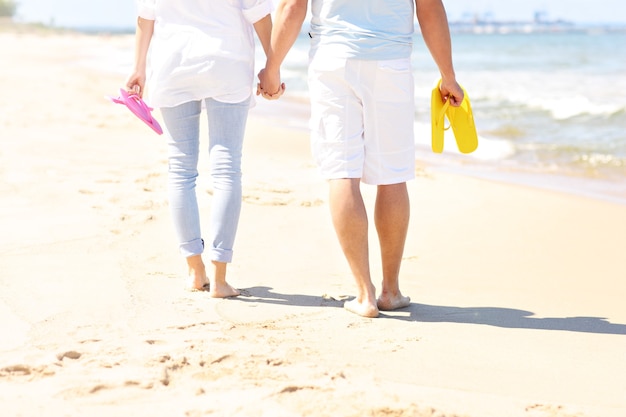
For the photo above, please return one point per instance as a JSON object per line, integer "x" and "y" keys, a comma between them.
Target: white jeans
{"x": 226, "y": 132}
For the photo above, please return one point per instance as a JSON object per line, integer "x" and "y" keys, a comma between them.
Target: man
{"x": 362, "y": 115}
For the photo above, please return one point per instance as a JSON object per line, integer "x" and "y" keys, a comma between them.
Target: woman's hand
{"x": 136, "y": 82}
{"x": 269, "y": 85}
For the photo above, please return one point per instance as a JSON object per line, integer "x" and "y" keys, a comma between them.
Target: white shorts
{"x": 362, "y": 118}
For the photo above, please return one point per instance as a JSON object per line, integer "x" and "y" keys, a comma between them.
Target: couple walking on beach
{"x": 362, "y": 112}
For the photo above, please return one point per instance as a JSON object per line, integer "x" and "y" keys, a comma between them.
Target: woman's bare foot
{"x": 197, "y": 280}
{"x": 219, "y": 287}
{"x": 223, "y": 290}
{"x": 387, "y": 302}
{"x": 364, "y": 309}
{"x": 192, "y": 286}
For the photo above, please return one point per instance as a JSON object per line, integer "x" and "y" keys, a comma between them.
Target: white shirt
{"x": 201, "y": 48}
{"x": 368, "y": 30}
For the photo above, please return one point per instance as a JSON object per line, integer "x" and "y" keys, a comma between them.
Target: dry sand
{"x": 518, "y": 294}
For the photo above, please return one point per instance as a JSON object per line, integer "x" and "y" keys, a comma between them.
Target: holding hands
{"x": 269, "y": 85}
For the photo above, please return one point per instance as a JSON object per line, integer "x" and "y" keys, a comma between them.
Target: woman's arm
{"x": 143, "y": 35}
{"x": 264, "y": 31}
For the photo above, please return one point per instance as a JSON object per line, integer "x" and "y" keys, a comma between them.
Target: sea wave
{"x": 565, "y": 116}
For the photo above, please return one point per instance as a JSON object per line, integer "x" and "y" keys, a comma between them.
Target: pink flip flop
{"x": 139, "y": 108}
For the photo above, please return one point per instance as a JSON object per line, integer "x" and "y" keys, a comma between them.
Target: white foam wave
{"x": 578, "y": 105}
{"x": 489, "y": 149}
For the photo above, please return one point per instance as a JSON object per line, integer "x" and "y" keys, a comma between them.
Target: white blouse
{"x": 201, "y": 48}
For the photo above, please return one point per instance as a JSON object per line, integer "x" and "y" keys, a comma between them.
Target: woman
{"x": 202, "y": 55}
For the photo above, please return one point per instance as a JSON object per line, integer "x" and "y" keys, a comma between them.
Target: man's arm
{"x": 433, "y": 22}
{"x": 289, "y": 17}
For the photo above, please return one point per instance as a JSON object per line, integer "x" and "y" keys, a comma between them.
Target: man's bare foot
{"x": 361, "y": 308}
{"x": 387, "y": 302}
{"x": 223, "y": 290}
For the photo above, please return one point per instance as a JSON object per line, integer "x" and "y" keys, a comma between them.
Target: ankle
{"x": 195, "y": 266}
{"x": 219, "y": 271}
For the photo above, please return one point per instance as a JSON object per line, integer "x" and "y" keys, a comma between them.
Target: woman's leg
{"x": 182, "y": 125}
{"x": 227, "y": 122}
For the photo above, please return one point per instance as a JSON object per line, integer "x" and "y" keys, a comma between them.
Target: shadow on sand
{"x": 490, "y": 316}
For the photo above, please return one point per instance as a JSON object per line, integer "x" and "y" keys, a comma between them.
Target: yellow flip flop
{"x": 461, "y": 120}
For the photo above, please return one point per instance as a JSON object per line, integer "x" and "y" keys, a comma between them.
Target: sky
{"x": 121, "y": 13}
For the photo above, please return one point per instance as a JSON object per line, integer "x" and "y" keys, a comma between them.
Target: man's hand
{"x": 269, "y": 85}
{"x": 450, "y": 89}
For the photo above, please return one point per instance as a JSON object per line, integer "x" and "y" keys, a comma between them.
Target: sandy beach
{"x": 517, "y": 293}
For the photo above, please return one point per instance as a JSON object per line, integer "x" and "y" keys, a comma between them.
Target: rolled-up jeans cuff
{"x": 221, "y": 255}
{"x": 192, "y": 248}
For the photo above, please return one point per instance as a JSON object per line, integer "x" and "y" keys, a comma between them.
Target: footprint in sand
{"x": 543, "y": 410}
{"x": 70, "y": 354}
{"x": 15, "y": 370}
{"x": 21, "y": 370}
{"x": 295, "y": 388}
{"x": 88, "y": 390}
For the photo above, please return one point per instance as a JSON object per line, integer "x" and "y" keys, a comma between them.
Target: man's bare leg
{"x": 350, "y": 221}
{"x": 391, "y": 216}
{"x": 219, "y": 287}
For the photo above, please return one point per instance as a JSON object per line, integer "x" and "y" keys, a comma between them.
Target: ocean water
{"x": 550, "y": 107}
